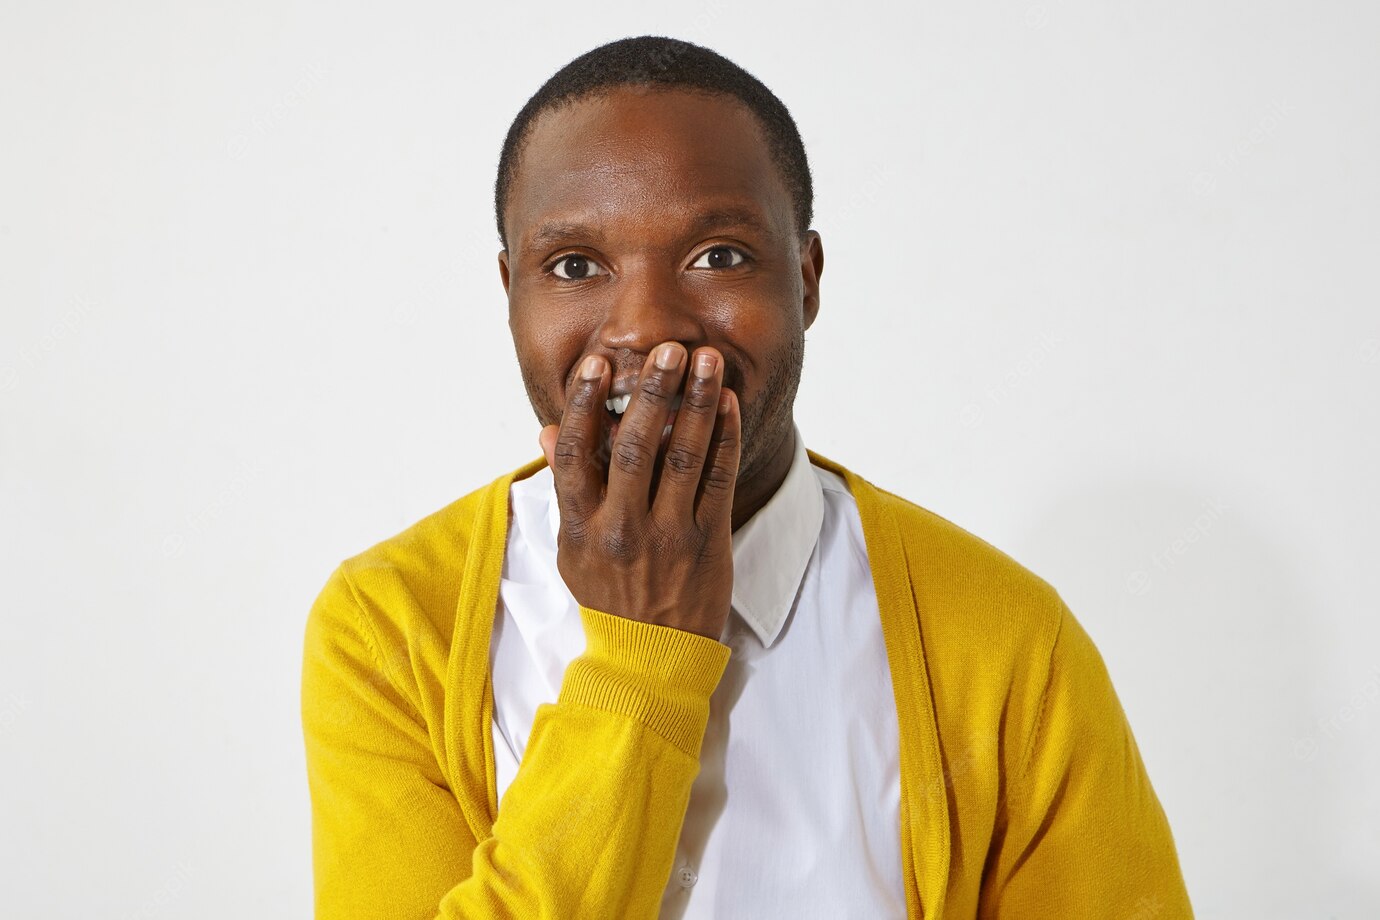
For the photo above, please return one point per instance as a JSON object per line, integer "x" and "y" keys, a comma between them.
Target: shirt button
{"x": 686, "y": 876}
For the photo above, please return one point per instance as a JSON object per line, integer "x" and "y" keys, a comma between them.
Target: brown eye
{"x": 719, "y": 257}
{"x": 575, "y": 267}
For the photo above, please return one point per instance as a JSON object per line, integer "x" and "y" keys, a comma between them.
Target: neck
{"x": 750, "y": 496}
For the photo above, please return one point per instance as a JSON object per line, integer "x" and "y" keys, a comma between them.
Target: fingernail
{"x": 668, "y": 358}
{"x": 704, "y": 366}
{"x": 593, "y": 368}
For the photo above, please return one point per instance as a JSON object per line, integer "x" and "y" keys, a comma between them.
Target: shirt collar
{"x": 770, "y": 551}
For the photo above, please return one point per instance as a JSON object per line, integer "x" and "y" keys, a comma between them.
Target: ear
{"x": 811, "y": 267}
{"x": 503, "y": 268}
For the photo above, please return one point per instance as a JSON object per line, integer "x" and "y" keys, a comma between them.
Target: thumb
{"x": 546, "y": 438}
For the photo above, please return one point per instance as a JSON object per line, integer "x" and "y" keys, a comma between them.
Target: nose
{"x": 649, "y": 308}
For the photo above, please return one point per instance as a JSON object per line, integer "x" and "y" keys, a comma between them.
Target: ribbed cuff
{"x": 661, "y": 676}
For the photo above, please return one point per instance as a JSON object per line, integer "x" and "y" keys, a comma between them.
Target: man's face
{"x": 640, "y": 217}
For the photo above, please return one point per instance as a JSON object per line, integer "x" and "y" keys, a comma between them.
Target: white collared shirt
{"x": 796, "y": 809}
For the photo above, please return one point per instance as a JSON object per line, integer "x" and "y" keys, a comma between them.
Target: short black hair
{"x": 657, "y": 61}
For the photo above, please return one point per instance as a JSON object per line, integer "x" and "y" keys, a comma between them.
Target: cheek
{"x": 541, "y": 339}
{"x": 762, "y": 333}
{"x": 548, "y": 354}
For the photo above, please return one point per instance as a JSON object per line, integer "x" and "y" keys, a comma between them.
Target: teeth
{"x": 619, "y": 404}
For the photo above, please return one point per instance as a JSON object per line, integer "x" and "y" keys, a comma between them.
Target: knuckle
{"x": 655, "y": 389}
{"x": 582, "y": 400}
{"x": 620, "y": 542}
{"x": 674, "y": 542}
{"x": 702, "y": 397}
{"x": 682, "y": 460}
{"x": 570, "y": 453}
{"x": 632, "y": 454}
{"x": 576, "y": 528}
{"x": 718, "y": 480}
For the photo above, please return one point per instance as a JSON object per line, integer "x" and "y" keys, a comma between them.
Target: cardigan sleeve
{"x": 1081, "y": 833}
{"x": 587, "y": 828}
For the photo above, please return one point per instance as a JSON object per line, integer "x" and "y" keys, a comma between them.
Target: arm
{"x": 1082, "y": 833}
{"x": 588, "y": 827}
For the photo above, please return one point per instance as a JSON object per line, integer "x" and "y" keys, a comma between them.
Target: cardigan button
{"x": 686, "y": 876}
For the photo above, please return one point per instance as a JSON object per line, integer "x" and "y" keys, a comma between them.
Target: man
{"x": 680, "y": 665}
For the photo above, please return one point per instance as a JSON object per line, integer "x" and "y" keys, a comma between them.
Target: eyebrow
{"x": 554, "y": 231}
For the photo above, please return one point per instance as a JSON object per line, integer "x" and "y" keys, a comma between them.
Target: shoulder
{"x": 955, "y": 569}
{"x": 988, "y": 623}
{"x": 424, "y": 561}
{"x": 965, "y": 587}
{"x": 995, "y": 635}
{"x": 397, "y": 599}
{"x": 982, "y": 613}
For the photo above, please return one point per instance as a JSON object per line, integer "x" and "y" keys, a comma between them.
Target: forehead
{"x": 638, "y": 160}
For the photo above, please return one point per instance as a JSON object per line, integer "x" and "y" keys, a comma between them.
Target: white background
{"x": 1099, "y": 287}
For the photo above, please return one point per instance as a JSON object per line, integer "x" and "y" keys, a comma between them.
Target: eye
{"x": 575, "y": 267}
{"x": 720, "y": 257}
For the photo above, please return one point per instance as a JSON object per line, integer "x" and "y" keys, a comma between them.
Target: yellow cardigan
{"x": 1023, "y": 793}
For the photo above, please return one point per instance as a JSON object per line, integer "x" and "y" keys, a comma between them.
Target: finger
{"x": 639, "y": 433}
{"x": 715, "y": 508}
{"x": 575, "y": 464}
{"x": 691, "y": 433}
